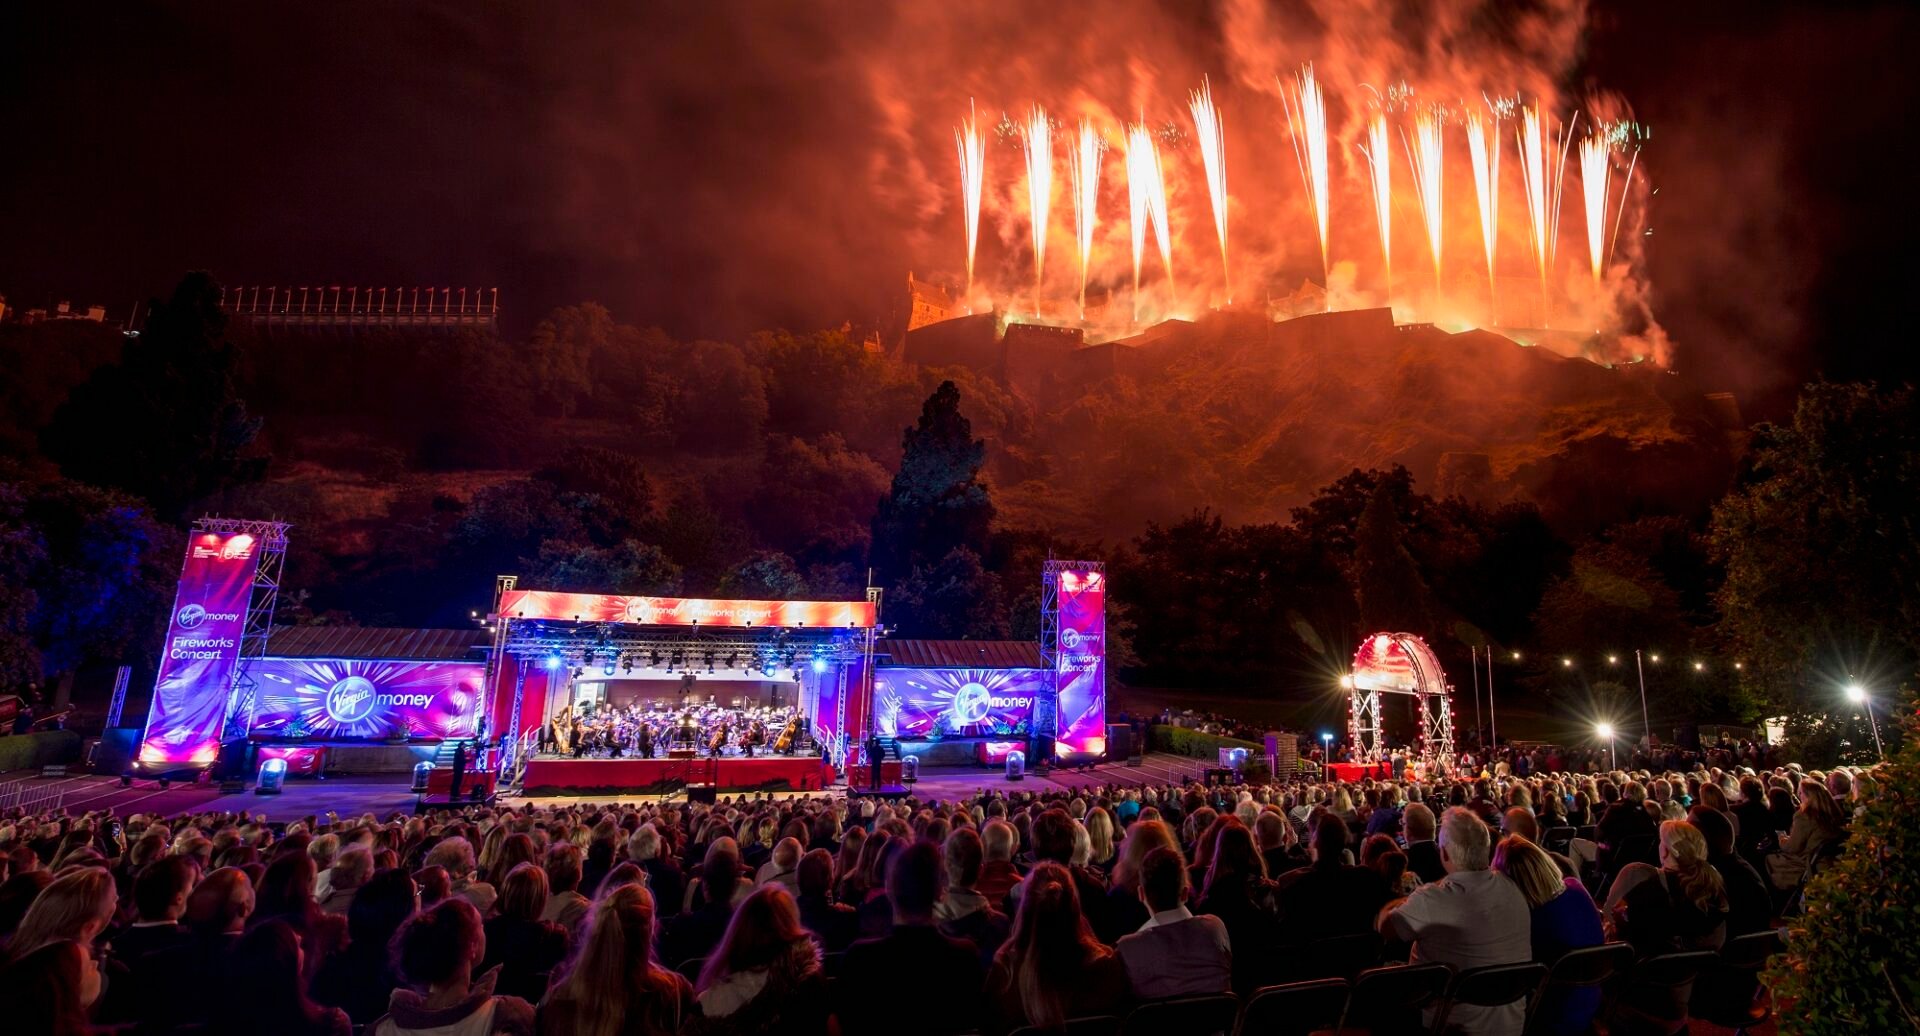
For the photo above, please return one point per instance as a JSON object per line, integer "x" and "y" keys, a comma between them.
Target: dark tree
{"x": 165, "y": 423}
{"x": 766, "y": 576}
{"x": 937, "y": 504}
{"x": 1388, "y": 585}
{"x": 1821, "y": 547}
{"x": 627, "y": 567}
{"x": 953, "y": 598}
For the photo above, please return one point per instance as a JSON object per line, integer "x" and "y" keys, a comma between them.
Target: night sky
{"x": 715, "y": 168}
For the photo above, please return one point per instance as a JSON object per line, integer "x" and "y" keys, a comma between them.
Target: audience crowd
{"x": 855, "y": 914}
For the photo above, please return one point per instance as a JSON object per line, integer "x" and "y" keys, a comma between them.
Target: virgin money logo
{"x": 350, "y": 700}
{"x": 1069, "y": 638}
{"x": 970, "y": 704}
{"x": 193, "y": 616}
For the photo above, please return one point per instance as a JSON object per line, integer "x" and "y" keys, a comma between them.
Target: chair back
{"x": 1390, "y": 998}
{"x": 1294, "y": 1009}
{"x": 1657, "y": 991}
{"x": 1183, "y": 1016}
{"x": 1561, "y": 1005}
{"x": 1493, "y": 986}
{"x": 1671, "y": 970}
{"x": 1591, "y": 965}
{"x": 1728, "y": 991}
{"x": 1636, "y": 849}
{"x": 1558, "y": 839}
{"x": 1337, "y": 956}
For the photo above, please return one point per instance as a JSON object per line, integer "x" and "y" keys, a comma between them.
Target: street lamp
{"x": 1326, "y": 750}
{"x": 1605, "y": 730}
{"x": 1646, "y": 723}
{"x": 1858, "y": 695}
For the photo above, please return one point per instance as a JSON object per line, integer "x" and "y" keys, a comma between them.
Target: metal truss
{"x": 270, "y": 540}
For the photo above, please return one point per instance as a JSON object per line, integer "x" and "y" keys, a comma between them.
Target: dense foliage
{"x": 1853, "y": 958}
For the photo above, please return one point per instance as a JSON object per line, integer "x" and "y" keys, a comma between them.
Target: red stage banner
{"x": 683, "y": 611}
{"x": 202, "y": 650}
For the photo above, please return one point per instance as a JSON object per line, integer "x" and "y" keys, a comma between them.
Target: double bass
{"x": 784, "y": 743}
{"x": 718, "y": 740}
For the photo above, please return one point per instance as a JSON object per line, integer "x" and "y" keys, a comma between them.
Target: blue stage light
{"x": 553, "y": 661}
{"x": 819, "y": 665}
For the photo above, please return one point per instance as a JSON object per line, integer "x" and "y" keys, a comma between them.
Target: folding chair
{"x": 1493, "y": 986}
{"x": 1552, "y": 1012}
{"x": 1390, "y": 999}
{"x": 1294, "y": 1009}
{"x": 1183, "y": 1016}
{"x": 1729, "y": 992}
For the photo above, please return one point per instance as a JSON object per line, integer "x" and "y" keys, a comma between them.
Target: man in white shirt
{"x": 1472, "y": 918}
{"x": 1174, "y": 953}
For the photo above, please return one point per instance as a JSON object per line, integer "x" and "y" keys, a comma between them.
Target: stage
{"x": 662, "y": 776}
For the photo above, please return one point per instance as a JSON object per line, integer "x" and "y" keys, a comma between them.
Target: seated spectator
{"x": 963, "y": 912}
{"x": 160, "y": 899}
{"x": 664, "y": 877}
{"x": 286, "y": 893}
{"x": 1472, "y": 918}
{"x": 17, "y": 894}
{"x": 1175, "y": 953}
{"x": 1818, "y": 823}
{"x": 694, "y": 934}
{"x": 781, "y": 865}
{"x": 1757, "y": 835}
{"x": 76, "y": 907}
{"x": 998, "y": 875}
{"x": 1423, "y": 853}
{"x": 614, "y": 988}
{"x": 1380, "y": 855}
{"x": 883, "y": 979}
{"x": 217, "y": 914}
{"x": 1330, "y": 897}
{"x": 435, "y": 887}
{"x": 1052, "y": 968}
{"x": 514, "y": 850}
{"x": 1521, "y": 821}
{"x": 1279, "y": 846}
{"x": 1749, "y": 906}
{"x": 267, "y": 992}
{"x": 1563, "y": 917}
{"x": 834, "y": 924}
{"x": 765, "y": 975}
{"x": 1385, "y": 818}
{"x": 437, "y": 951}
{"x": 350, "y": 870}
{"x": 455, "y": 855}
{"x": 48, "y": 992}
{"x": 1680, "y": 905}
{"x": 361, "y": 979}
{"x": 566, "y": 907}
{"x": 1125, "y": 910}
{"x": 519, "y": 943}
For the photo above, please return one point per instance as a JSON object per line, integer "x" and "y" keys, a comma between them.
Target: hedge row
{"x": 1196, "y": 744}
{"x": 30, "y": 751}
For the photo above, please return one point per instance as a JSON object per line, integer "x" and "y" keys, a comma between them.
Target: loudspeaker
{"x": 1119, "y": 741}
{"x": 1043, "y": 750}
{"x": 114, "y": 753}
{"x": 705, "y": 793}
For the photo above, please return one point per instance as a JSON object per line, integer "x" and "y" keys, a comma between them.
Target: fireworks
{"x": 1213, "y": 155}
{"x": 1533, "y": 179}
{"x": 1084, "y": 165}
{"x": 1038, "y": 137}
{"x": 1147, "y": 191}
{"x": 1484, "y": 147}
{"x": 1596, "y": 166}
{"x": 1380, "y": 169}
{"x": 1425, "y": 154}
{"x": 973, "y": 169}
{"x": 1307, "y": 123}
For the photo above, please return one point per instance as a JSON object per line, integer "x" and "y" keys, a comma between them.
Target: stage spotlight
{"x": 653, "y": 659}
{"x": 626, "y": 664}
{"x": 607, "y": 669}
{"x": 553, "y": 660}
{"x": 819, "y": 665}
{"x": 733, "y": 659}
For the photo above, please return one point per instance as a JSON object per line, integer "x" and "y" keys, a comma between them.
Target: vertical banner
{"x": 202, "y": 651}
{"x": 1081, "y": 663}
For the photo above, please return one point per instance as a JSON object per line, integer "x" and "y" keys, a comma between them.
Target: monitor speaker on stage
{"x": 1043, "y": 749}
{"x": 1119, "y": 741}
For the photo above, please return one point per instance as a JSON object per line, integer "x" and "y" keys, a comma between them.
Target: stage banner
{"x": 681, "y": 611}
{"x": 1081, "y": 663}
{"x": 929, "y": 704}
{"x": 357, "y": 699}
{"x": 202, "y": 650}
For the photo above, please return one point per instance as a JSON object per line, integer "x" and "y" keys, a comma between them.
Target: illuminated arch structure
{"x": 1399, "y": 663}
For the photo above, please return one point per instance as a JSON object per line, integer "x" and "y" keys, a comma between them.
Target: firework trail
{"x": 1213, "y": 155}
{"x": 1484, "y": 145}
{"x": 1596, "y": 166}
{"x": 1626, "y": 187}
{"x": 973, "y": 166}
{"x": 1379, "y": 154}
{"x": 1038, "y": 137}
{"x": 1084, "y": 165}
{"x": 1425, "y": 154}
{"x": 1533, "y": 179}
{"x": 1307, "y": 124}
{"x": 1147, "y": 191}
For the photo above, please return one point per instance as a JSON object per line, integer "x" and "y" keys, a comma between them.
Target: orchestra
{"x": 605, "y": 731}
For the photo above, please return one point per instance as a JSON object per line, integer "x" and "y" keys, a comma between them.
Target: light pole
{"x": 1645, "y": 723}
{"x": 1858, "y": 695}
{"x": 1605, "y": 730}
{"x": 1326, "y": 752}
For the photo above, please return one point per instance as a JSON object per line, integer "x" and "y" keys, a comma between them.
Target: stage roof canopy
{"x": 380, "y": 643}
{"x": 953, "y": 654}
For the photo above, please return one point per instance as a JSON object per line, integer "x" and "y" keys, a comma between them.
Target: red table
{"x": 1353, "y": 772}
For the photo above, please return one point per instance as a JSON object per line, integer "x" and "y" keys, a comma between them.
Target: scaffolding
{"x": 270, "y": 539}
{"x": 1398, "y": 664}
